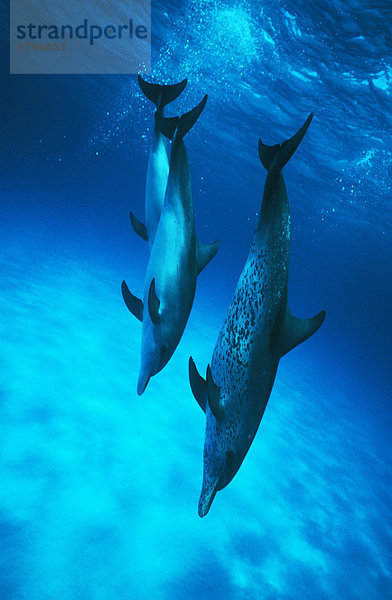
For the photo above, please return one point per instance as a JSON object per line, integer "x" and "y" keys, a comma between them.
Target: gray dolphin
{"x": 258, "y": 330}
{"x": 176, "y": 258}
{"x": 158, "y": 160}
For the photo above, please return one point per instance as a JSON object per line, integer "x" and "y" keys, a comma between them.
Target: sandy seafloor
{"x": 99, "y": 487}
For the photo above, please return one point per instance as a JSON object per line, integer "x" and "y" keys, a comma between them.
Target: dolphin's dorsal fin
{"x": 134, "y": 304}
{"x": 204, "y": 253}
{"x": 295, "y": 331}
{"x": 198, "y": 385}
{"x": 153, "y": 304}
{"x": 139, "y": 227}
{"x": 213, "y": 396}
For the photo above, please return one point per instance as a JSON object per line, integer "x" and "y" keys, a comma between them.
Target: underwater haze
{"x": 99, "y": 487}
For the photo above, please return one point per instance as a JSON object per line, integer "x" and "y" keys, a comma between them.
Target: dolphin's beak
{"x": 207, "y": 495}
{"x": 142, "y": 382}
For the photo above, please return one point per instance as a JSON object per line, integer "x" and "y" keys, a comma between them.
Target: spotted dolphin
{"x": 158, "y": 161}
{"x": 176, "y": 259}
{"x": 258, "y": 330}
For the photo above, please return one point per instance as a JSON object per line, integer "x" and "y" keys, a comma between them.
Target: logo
{"x": 99, "y": 36}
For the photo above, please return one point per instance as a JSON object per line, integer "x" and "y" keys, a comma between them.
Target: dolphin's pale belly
{"x": 173, "y": 258}
{"x": 173, "y": 266}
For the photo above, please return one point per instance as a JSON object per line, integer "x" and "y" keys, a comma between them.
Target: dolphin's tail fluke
{"x": 275, "y": 157}
{"x": 161, "y": 95}
{"x": 179, "y": 126}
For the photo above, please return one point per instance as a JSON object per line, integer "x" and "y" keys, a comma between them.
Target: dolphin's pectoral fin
{"x": 213, "y": 396}
{"x": 153, "y": 304}
{"x": 205, "y": 253}
{"x": 297, "y": 330}
{"x": 134, "y": 304}
{"x": 139, "y": 227}
{"x": 198, "y": 385}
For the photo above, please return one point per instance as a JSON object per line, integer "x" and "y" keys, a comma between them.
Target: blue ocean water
{"x": 99, "y": 487}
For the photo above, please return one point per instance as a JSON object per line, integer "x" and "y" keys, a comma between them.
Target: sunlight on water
{"x": 219, "y": 49}
{"x": 220, "y": 41}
